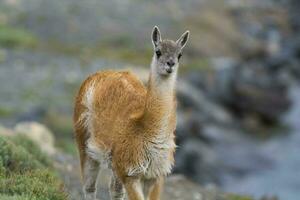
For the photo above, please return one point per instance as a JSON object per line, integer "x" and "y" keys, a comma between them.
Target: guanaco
{"x": 127, "y": 127}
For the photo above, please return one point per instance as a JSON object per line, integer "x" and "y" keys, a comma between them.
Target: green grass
{"x": 67, "y": 145}
{"x": 16, "y": 37}
{"x": 195, "y": 64}
{"x": 16, "y": 159}
{"x": 16, "y": 197}
{"x": 26, "y": 172}
{"x": 122, "y": 53}
{"x": 5, "y": 112}
{"x": 237, "y": 197}
{"x": 37, "y": 184}
{"x": 32, "y": 148}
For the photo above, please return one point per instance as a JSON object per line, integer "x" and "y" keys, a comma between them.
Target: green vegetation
{"x": 26, "y": 173}
{"x": 133, "y": 55}
{"x": 32, "y": 148}
{"x": 122, "y": 49}
{"x": 16, "y": 197}
{"x": 202, "y": 64}
{"x": 137, "y": 56}
{"x": 16, "y": 37}
{"x": 237, "y": 197}
{"x": 4, "y": 111}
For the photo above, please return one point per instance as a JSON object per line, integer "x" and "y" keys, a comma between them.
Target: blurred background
{"x": 238, "y": 88}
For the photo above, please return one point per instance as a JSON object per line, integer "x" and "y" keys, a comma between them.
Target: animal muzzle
{"x": 169, "y": 69}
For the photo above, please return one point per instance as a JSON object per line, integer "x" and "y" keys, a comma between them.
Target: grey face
{"x": 167, "y": 53}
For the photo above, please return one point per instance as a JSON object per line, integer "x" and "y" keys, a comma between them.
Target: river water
{"x": 281, "y": 176}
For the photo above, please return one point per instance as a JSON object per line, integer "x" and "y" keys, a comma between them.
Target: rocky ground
{"x": 177, "y": 187}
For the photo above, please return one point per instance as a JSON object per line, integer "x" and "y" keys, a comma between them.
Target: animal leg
{"x": 90, "y": 175}
{"x": 117, "y": 191}
{"x": 152, "y": 188}
{"x": 134, "y": 188}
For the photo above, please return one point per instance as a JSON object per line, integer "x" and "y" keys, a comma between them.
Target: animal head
{"x": 167, "y": 53}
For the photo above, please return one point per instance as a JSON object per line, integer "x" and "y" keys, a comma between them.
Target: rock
{"x": 256, "y": 89}
{"x": 217, "y": 82}
{"x": 39, "y": 134}
{"x": 34, "y": 114}
{"x": 294, "y": 8}
{"x": 190, "y": 97}
{"x": 245, "y": 89}
{"x": 197, "y": 160}
{"x": 5, "y": 131}
{"x": 176, "y": 187}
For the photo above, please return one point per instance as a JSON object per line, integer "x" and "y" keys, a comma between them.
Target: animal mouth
{"x": 169, "y": 70}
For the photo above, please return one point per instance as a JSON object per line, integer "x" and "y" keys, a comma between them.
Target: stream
{"x": 281, "y": 176}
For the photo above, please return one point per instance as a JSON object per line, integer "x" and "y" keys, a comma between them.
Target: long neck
{"x": 160, "y": 100}
{"x": 161, "y": 87}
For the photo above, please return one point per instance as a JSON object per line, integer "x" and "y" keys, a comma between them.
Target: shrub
{"x": 26, "y": 173}
{"x": 16, "y": 159}
{"x": 32, "y": 148}
{"x": 37, "y": 184}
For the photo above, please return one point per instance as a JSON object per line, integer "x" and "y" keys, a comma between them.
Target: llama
{"x": 127, "y": 127}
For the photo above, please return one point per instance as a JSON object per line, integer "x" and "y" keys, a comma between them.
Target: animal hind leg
{"x": 90, "y": 175}
{"x": 117, "y": 191}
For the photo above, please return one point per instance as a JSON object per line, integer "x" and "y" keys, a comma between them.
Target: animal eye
{"x": 158, "y": 53}
{"x": 179, "y": 56}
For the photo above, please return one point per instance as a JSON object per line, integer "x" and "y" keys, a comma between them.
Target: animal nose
{"x": 170, "y": 63}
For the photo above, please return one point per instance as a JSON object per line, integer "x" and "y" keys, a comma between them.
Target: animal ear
{"x": 181, "y": 42}
{"x": 156, "y": 38}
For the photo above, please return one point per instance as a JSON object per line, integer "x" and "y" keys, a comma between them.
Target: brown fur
{"x": 126, "y": 118}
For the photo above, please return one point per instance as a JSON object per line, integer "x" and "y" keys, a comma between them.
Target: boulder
{"x": 5, "y": 131}
{"x": 197, "y": 160}
{"x": 259, "y": 90}
{"x": 39, "y": 134}
{"x": 255, "y": 88}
